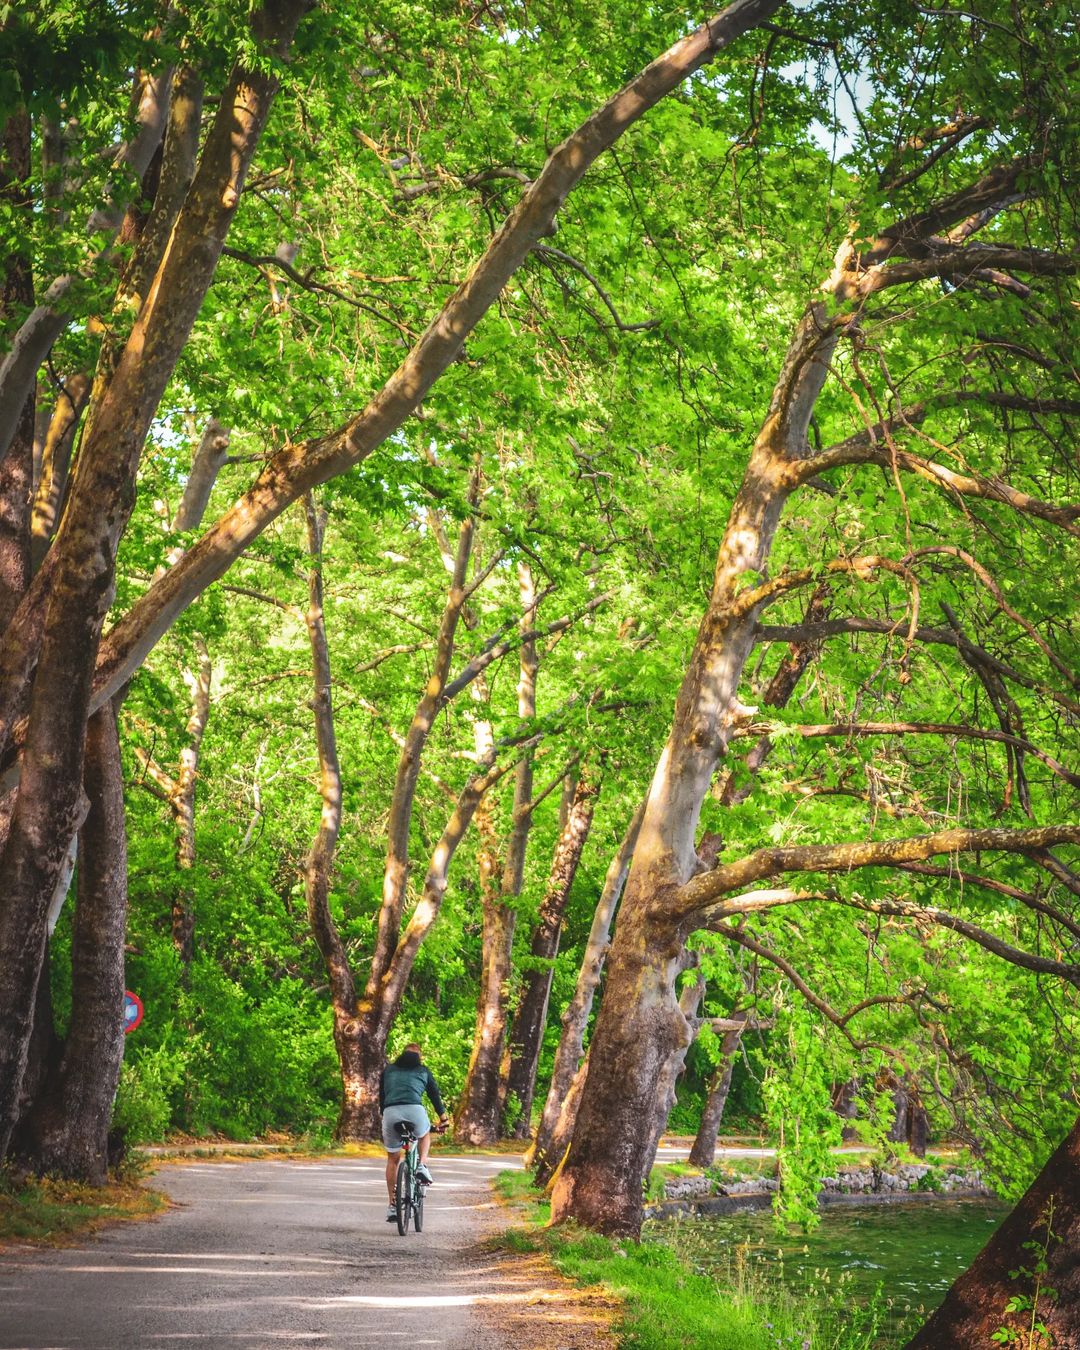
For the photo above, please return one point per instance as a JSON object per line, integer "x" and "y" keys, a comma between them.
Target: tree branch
{"x": 850, "y": 729}
{"x": 296, "y": 468}
{"x": 702, "y": 891}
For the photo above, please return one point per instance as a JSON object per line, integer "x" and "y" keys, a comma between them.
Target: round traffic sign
{"x": 133, "y": 1011}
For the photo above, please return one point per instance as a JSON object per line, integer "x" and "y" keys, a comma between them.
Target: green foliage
{"x": 798, "y": 1101}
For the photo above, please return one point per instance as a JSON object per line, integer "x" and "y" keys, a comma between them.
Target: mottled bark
{"x": 477, "y": 1117}
{"x": 530, "y": 1017}
{"x": 543, "y": 1155}
{"x": 67, "y": 1132}
{"x": 703, "y": 1152}
{"x": 1047, "y": 1215}
{"x": 78, "y": 585}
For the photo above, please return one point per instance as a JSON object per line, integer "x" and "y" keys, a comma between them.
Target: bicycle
{"x": 408, "y": 1188}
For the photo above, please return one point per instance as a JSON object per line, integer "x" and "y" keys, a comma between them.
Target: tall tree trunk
{"x": 476, "y": 1120}
{"x": 396, "y": 947}
{"x": 319, "y": 865}
{"x": 703, "y": 1152}
{"x": 530, "y": 1018}
{"x": 543, "y": 1155}
{"x": 81, "y": 574}
{"x": 1048, "y": 1216}
{"x": 67, "y": 1132}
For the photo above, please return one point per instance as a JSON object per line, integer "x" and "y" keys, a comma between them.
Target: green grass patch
{"x": 665, "y": 1302}
{"x": 52, "y": 1212}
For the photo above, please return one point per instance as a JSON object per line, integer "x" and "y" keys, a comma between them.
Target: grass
{"x": 665, "y": 1302}
{"x": 53, "y": 1213}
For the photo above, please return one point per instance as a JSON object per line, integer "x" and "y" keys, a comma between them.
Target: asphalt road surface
{"x": 273, "y": 1253}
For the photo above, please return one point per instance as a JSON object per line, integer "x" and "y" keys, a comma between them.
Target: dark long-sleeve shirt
{"x": 401, "y": 1086}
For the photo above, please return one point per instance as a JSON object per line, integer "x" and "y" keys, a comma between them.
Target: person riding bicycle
{"x": 401, "y": 1090}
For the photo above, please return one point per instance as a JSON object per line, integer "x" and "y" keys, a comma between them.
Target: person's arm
{"x": 432, "y": 1091}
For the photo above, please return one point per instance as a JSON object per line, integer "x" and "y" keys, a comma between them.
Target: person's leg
{"x": 424, "y": 1146}
{"x": 392, "y": 1160}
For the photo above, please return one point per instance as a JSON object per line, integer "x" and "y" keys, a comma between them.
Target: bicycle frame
{"x": 408, "y": 1189}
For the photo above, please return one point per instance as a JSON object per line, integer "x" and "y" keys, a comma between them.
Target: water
{"x": 912, "y": 1251}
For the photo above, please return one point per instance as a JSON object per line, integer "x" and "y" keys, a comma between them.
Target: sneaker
{"x": 391, "y": 1214}
{"x": 424, "y": 1175}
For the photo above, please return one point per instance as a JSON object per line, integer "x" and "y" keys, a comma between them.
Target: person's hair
{"x": 414, "y": 1046}
{"x": 409, "y": 1057}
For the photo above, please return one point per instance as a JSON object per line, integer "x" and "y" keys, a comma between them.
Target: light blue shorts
{"x": 415, "y": 1115}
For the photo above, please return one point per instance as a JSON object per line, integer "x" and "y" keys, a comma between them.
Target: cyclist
{"x": 401, "y": 1089}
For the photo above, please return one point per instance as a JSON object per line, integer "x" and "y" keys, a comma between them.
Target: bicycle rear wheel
{"x": 403, "y": 1195}
{"x": 418, "y": 1205}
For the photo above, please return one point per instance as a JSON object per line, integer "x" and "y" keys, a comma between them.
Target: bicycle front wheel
{"x": 403, "y": 1196}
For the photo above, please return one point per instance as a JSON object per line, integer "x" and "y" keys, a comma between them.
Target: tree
{"x": 669, "y": 894}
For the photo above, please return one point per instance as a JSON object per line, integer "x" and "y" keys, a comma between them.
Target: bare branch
{"x": 924, "y": 914}
{"x": 493, "y": 649}
{"x": 839, "y": 1020}
{"x": 545, "y": 251}
{"x": 700, "y": 892}
{"x": 854, "y": 623}
{"x": 999, "y": 887}
{"x": 851, "y": 729}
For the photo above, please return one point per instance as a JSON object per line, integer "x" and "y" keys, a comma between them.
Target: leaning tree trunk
{"x": 67, "y": 1131}
{"x": 476, "y": 1121}
{"x": 530, "y": 1018}
{"x": 703, "y": 1152}
{"x": 638, "y": 1031}
{"x": 544, "y": 1154}
{"x": 640, "y": 1026}
{"x": 1044, "y": 1228}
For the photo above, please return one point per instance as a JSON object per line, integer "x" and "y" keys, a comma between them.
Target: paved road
{"x": 268, "y": 1253}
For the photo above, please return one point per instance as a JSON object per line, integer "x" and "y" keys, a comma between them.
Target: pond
{"x": 912, "y": 1251}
